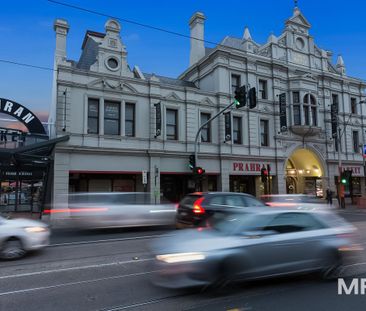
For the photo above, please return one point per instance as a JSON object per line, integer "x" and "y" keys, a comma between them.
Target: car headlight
{"x": 35, "y": 229}
{"x": 180, "y": 257}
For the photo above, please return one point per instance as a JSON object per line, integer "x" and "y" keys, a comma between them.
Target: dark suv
{"x": 196, "y": 208}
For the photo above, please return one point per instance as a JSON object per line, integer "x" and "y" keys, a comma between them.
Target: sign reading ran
{"x": 23, "y": 115}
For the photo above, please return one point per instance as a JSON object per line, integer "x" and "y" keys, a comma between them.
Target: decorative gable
{"x": 207, "y": 101}
{"x": 173, "y": 96}
{"x": 115, "y": 85}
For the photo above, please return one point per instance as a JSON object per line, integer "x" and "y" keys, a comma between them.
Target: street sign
{"x": 364, "y": 151}
{"x": 144, "y": 177}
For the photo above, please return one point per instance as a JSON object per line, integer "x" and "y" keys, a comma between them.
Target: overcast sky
{"x": 27, "y": 36}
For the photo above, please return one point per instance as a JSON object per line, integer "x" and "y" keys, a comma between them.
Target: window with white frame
{"x": 353, "y": 105}
{"x": 262, "y": 89}
{"x": 309, "y": 109}
{"x": 112, "y": 117}
{"x": 93, "y": 116}
{"x": 130, "y": 119}
{"x": 235, "y": 83}
{"x": 206, "y": 130}
{"x": 237, "y": 133}
{"x": 356, "y": 142}
{"x": 296, "y": 108}
{"x": 264, "y": 128}
{"x": 172, "y": 124}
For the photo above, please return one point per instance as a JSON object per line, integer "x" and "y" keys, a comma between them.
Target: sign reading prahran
{"x": 17, "y": 112}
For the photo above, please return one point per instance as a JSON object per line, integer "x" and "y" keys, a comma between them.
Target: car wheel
{"x": 334, "y": 267}
{"x": 12, "y": 249}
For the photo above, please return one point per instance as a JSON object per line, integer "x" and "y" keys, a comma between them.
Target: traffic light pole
{"x": 203, "y": 125}
{"x": 340, "y": 196}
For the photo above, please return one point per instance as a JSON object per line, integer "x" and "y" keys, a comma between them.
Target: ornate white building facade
{"x": 109, "y": 112}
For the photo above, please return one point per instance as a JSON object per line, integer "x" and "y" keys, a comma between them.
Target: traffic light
{"x": 264, "y": 174}
{"x": 346, "y": 177}
{"x": 199, "y": 171}
{"x": 192, "y": 162}
{"x": 252, "y": 94}
{"x": 240, "y": 97}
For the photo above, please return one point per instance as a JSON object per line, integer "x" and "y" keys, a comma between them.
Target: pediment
{"x": 299, "y": 19}
{"x": 173, "y": 96}
{"x": 207, "y": 101}
{"x": 112, "y": 84}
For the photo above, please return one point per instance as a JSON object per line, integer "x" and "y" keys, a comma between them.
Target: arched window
{"x": 309, "y": 109}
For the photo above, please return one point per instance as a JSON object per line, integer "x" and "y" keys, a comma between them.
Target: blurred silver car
{"x": 18, "y": 236}
{"x": 295, "y": 201}
{"x": 112, "y": 209}
{"x": 262, "y": 244}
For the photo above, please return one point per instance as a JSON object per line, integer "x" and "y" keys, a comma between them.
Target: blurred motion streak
{"x": 89, "y": 210}
{"x": 255, "y": 243}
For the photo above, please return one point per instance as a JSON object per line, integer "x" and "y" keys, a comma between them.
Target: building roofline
{"x": 93, "y": 34}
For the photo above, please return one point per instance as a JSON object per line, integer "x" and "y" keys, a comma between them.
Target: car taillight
{"x": 197, "y": 208}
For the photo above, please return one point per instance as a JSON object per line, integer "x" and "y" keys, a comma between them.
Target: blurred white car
{"x": 18, "y": 236}
{"x": 91, "y": 210}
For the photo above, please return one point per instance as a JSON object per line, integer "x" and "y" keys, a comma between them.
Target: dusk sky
{"x": 27, "y": 36}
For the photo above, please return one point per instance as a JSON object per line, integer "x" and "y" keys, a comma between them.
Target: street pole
{"x": 339, "y": 168}
{"x": 203, "y": 125}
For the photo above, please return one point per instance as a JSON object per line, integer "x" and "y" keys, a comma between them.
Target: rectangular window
{"x": 314, "y": 116}
{"x": 262, "y": 89}
{"x": 235, "y": 83}
{"x": 129, "y": 119}
{"x": 306, "y": 115}
{"x": 237, "y": 130}
{"x": 112, "y": 118}
{"x": 296, "y": 97}
{"x": 206, "y": 131}
{"x": 353, "y": 105}
{"x": 264, "y": 133}
{"x": 297, "y": 115}
{"x": 93, "y": 116}
{"x": 172, "y": 124}
{"x": 356, "y": 143}
{"x": 335, "y": 101}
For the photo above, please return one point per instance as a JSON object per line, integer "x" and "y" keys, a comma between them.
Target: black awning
{"x": 38, "y": 151}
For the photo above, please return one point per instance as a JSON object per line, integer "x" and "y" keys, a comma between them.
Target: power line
{"x": 26, "y": 65}
{"x": 129, "y": 21}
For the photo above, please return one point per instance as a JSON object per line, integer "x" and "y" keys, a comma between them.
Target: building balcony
{"x": 305, "y": 130}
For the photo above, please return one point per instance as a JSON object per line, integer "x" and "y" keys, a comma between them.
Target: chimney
{"x": 196, "y": 24}
{"x": 61, "y": 27}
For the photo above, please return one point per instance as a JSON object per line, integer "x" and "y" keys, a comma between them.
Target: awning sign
{"x": 23, "y": 115}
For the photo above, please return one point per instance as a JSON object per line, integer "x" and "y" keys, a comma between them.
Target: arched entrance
{"x": 304, "y": 173}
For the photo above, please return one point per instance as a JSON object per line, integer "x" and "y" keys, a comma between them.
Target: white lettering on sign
{"x": 8, "y": 106}
{"x": 27, "y": 118}
{"x": 144, "y": 177}
{"x": 248, "y": 167}
{"x": 19, "y": 111}
{"x": 356, "y": 170}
